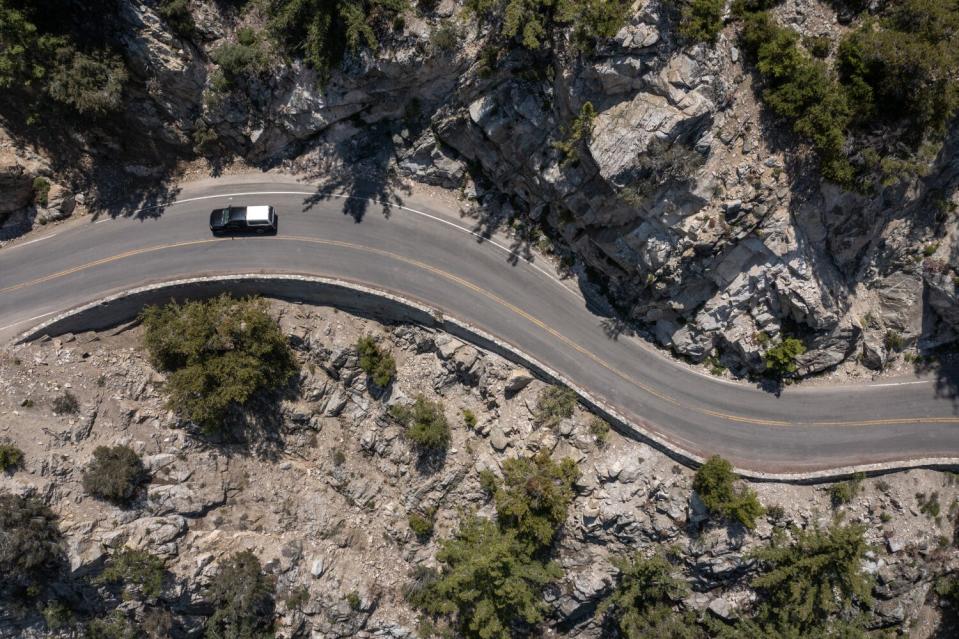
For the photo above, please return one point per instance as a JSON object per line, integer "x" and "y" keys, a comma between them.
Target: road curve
{"x": 424, "y": 252}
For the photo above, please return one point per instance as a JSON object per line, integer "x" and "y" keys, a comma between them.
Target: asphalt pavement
{"x": 425, "y": 251}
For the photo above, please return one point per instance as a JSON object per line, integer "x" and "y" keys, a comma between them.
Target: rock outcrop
{"x": 322, "y": 488}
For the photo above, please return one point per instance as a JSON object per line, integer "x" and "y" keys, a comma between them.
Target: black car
{"x": 243, "y": 219}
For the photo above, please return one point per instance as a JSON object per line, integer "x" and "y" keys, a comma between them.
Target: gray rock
{"x": 696, "y": 512}
{"x": 498, "y": 439}
{"x": 318, "y": 567}
{"x": 721, "y": 607}
{"x": 518, "y": 380}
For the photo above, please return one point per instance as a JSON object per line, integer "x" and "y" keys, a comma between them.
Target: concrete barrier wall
{"x": 387, "y": 307}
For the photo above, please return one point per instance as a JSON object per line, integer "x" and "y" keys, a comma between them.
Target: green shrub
{"x": 806, "y": 583}
{"x": 894, "y": 340}
{"x": 297, "y": 598}
{"x": 599, "y": 429}
{"x": 218, "y": 354}
{"x": 91, "y": 83}
{"x": 242, "y": 597}
{"x": 488, "y": 584}
{"x": 66, "y": 404}
{"x": 469, "y": 418}
{"x": 31, "y": 546}
{"x": 577, "y": 134}
{"x": 41, "y": 190}
{"x": 714, "y": 482}
{"x": 206, "y": 141}
{"x": 531, "y": 22}
{"x": 641, "y": 604}
{"x": 375, "y": 362}
{"x": 57, "y": 615}
{"x": 903, "y": 66}
{"x": 40, "y": 59}
{"x": 114, "y": 475}
{"x": 115, "y": 626}
{"x": 238, "y": 60}
{"x": 781, "y": 358}
{"x": 929, "y": 506}
{"x": 425, "y": 423}
{"x": 11, "y": 457}
{"x": 139, "y": 572}
{"x": 354, "y": 600}
{"x": 947, "y": 588}
{"x": 801, "y": 90}
{"x": 819, "y": 46}
{"x": 555, "y": 404}
{"x": 445, "y": 39}
{"x": 176, "y": 13}
{"x": 323, "y": 31}
{"x": 421, "y": 524}
{"x": 702, "y": 20}
{"x": 488, "y": 481}
{"x": 534, "y": 497}
{"x": 843, "y": 492}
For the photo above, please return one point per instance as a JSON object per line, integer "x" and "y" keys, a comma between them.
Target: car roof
{"x": 257, "y": 213}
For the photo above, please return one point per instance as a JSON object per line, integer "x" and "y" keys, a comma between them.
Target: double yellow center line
{"x": 500, "y": 301}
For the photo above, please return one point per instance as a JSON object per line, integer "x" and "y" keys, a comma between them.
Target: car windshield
{"x": 224, "y": 216}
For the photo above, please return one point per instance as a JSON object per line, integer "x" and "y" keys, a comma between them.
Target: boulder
{"x": 16, "y": 185}
{"x": 827, "y": 351}
{"x": 60, "y": 205}
{"x": 517, "y": 380}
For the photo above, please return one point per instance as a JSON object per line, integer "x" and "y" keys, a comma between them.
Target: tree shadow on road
{"x": 946, "y": 371}
{"x": 145, "y": 200}
{"x": 360, "y": 172}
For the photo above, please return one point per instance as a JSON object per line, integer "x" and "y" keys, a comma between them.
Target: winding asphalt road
{"x": 427, "y": 253}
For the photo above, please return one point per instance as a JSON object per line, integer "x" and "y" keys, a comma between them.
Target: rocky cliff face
{"x": 322, "y": 489}
{"x": 702, "y": 218}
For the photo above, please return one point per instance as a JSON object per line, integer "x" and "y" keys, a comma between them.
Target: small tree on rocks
{"x": 114, "y": 474}
{"x": 715, "y": 484}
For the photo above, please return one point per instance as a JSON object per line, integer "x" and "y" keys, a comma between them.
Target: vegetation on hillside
{"x": 534, "y": 496}
{"x": 494, "y": 572}
{"x": 577, "y": 134}
{"x": 896, "y": 70}
{"x": 376, "y": 362}
{"x": 802, "y": 90}
{"x": 489, "y": 582}
{"x": 139, "y": 573}
{"x": 811, "y": 584}
{"x": 11, "y": 457}
{"x": 322, "y": 32}
{"x": 243, "y": 600}
{"x": 239, "y": 61}
{"x": 702, "y": 20}
{"x": 114, "y": 474}
{"x": 715, "y": 484}
{"x": 641, "y": 604}
{"x": 532, "y": 23}
{"x": 31, "y": 546}
{"x": 42, "y": 59}
{"x": 219, "y": 353}
{"x": 781, "y": 358}
{"x": 425, "y": 423}
{"x": 554, "y": 404}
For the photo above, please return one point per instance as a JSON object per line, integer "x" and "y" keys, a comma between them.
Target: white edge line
{"x": 39, "y": 239}
{"x": 485, "y": 240}
{"x": 24, "y": 321}
{"x": 644, "y": 430}
{"x": 344, "y": 196}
